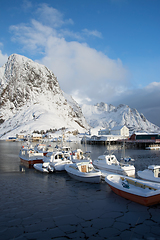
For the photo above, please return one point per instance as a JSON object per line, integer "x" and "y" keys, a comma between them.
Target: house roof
{"x": 117, "y": 127}
{"x": 146, "y": 133}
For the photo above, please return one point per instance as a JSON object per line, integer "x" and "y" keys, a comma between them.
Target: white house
{"x": 120, "y": 130}
{"x": 36, "y": 137}
{"x": 104, "y": 131}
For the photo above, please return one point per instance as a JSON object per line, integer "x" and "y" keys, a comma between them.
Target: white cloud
{"x": 33, "y": 37}
{"x": 82, "y": 68}
{"x": 94, "y": 33}
{"x": 153, "y": 86}
{"x": 26, "y": 5}
{"x": 3, "y": 58}
{"x": 77, "y": 66}
{"x": 51, "y": 16}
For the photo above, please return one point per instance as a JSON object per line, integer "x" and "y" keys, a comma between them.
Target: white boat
{"x": 153, "y": 148}
{"x": 57, "y": 160}
{"x": 84, "y": 171}
{"x": 140, "y": 191}
{"x": 44, "y": 167}
{"x": 124, "y": 158}
{"x": 78, "y": 155}
{"x": 43, "y": 148}
{"x": 150, "y": 174}
{"x": 66, "y": 151}
{"x": 127, "y": 159}
{"x": 110, "y": 163}
{"x": 29, "y": 156}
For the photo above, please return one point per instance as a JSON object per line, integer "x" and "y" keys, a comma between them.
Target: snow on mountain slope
{"x": 31, "y": 99}
{"x": 103, "y": 115}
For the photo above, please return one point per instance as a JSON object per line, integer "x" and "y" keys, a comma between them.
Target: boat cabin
{"x": 53, "y": 156}
{"x": 77, "y": 154}
{"x": 109, "y": 159}
{"x": 28, "y": 153}
{"x": 65, "y": 149}
{"x": 155, "y": 169}
{"x": 85, "y": 167}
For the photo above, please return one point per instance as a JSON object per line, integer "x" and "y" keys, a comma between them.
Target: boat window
{"x": 59, "y": 156}
{"x": 108, "y": 159}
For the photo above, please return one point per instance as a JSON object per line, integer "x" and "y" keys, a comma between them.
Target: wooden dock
{"x": 129, "y": 143}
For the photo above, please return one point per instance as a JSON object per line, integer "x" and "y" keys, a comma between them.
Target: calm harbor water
{"x": 54, "y": 206}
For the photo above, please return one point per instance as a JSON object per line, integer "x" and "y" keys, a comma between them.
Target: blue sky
{"x": 100, "y": 50}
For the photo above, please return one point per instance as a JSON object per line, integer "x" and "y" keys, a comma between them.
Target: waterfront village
{"x": 116, "y": 135}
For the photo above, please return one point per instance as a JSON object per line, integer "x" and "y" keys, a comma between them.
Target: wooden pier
{"x": 142, "y": 144}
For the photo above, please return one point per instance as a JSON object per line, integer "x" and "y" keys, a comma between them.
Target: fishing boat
{"x": 110, "y": 163}
{"x": 57, "y": 160}
{"x": 84, "y": 171}
{"x": 153, "y": 148}
{"x": 43, "y": 148}
{"x": 29, "y": 156}
{"x": 140, "y": 191}
{"x": 125, "y": 158}
{"x": 150, "y": 174}
{"x": 78, "y": 155}
{"x": 65, "y": 150}
{"x": 44, "y": 167}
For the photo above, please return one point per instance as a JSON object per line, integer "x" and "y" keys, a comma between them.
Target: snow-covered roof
{"x": 36, "y": 135}
{"x": 117, "y": 127}
{"x": 139, "y": 133}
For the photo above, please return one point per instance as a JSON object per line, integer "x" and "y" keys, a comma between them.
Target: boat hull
{"x": 146, "y": 201}
{"x": 136, "y": 190}
{"x": 60, "y": 165}
{"x": 92, "y": 179}
{"x": 83, "y": 176}
{"x": 116, "y": 169}
{"x": 39, "y": 167}
{"x": 147, "y": 175}
{"x": 30, "y": 163}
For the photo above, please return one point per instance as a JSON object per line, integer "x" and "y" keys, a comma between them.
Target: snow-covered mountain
{"x": 31, "y": 99}
{"x": 103, "y": 115}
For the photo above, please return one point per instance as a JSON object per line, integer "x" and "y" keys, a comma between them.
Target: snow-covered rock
{"x": 31, "y": 99}
{"x": 102, "y": 115}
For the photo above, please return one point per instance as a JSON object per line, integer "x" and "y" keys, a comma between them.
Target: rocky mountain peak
{"x": 25, "y": 83}
{"x": 107, "y": 116}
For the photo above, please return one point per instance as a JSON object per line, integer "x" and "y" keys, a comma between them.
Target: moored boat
{"x": 43, "y": 148}
{"x": 150, "y": 174}
{"x": 110, "y": 163}
{"x": 140, "y": 191}
{"x": 57, "y": 160}
{"x": 78, "y": 155}
{"x": 29, "y": 156}
{"x": 153, "y": 148}
{"x": 43, "y": 167}
{"x": 84, "y": 171}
